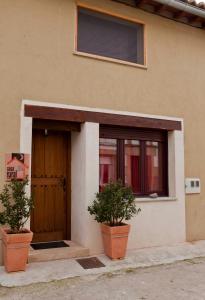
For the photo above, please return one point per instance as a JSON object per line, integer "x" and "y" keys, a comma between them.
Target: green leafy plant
{"x": 114, "y": 204}
{"x": 17, "y": 206}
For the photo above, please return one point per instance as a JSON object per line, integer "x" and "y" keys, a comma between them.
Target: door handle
{"x": 63, "y": 183}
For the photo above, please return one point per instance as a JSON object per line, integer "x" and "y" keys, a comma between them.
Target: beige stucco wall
{"x": 37, "y": 62}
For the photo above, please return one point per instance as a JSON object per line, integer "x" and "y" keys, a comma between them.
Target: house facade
{"x": 100, "y": 90}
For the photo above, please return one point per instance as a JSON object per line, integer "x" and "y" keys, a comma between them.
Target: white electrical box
{"x": 192, "y": 186}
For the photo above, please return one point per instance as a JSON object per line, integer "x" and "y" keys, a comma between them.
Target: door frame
{"x": 84, "y": 173}
{"x": 56, "y": 127}
{"x": 61, "y": 126}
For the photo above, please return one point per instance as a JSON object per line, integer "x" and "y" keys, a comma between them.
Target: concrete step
{"x": 73, "y": 251}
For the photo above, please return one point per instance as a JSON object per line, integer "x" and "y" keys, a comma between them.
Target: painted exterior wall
{"x": 37, "y": 62}
{"x": 85, "y": 181}
{"x": 154, "y": 226}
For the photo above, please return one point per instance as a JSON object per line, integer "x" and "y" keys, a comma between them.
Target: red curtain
{"x": 135, "y": 173}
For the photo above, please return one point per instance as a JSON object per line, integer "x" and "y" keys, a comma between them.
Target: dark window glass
{"x": 132, "y": 165}
{"x": 137, "y": 157}
{"x": 154, "y": 178}
{"x": 108, "y": 161}
{"x": 108, "y": 36}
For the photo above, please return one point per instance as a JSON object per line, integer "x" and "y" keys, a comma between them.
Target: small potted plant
{"x": 114, "y": 204}
{"x": 16, "y": 211}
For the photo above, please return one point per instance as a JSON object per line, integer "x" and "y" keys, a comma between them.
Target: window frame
{"x": 116, "y": 15}
{"x": 143, "y": 135}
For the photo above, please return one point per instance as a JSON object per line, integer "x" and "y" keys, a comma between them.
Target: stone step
{"x": 73, "y": 251}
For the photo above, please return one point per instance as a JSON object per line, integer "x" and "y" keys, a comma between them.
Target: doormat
{"x": 49, "y": 245}
{"x": 90, "y": 263}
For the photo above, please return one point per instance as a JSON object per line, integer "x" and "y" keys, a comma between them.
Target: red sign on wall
{"x": 17, "y": 166}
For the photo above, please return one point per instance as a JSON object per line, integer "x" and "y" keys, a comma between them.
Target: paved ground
{"x": 177, "y": 281}
{"x": 43, "y": 272}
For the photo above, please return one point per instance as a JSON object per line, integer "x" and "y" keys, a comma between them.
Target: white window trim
{"x": 157, "y": 199}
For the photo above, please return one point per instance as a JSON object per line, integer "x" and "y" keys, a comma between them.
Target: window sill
{"x": 158, "y": 199}
{"x": 117, "y": 61}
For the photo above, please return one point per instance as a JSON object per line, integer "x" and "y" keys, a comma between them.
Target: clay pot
{"x": 115, "y": 240}
{"x": 15, "y": 249}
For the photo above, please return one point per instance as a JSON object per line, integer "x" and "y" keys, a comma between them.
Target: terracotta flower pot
{"x": 15, "y": 249}
{"x": 115, "y": 240}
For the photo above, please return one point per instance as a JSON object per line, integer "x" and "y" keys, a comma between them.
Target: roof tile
{"x": 194, "y": 3}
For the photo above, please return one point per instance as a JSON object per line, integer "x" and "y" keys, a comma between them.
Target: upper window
{"x": 137, "y": 157}
{"x": 109, "y": 36}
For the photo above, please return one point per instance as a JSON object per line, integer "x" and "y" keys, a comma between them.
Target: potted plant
{"x": 16, "y": 211}
{"x": 114, "y": 204}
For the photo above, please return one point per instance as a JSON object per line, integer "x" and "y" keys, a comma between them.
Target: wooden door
{"x": 50, "y": 219}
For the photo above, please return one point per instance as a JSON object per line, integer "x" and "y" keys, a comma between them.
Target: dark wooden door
{"x": 50, "y": 219}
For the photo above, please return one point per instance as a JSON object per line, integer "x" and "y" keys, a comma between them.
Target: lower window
{"x": 138, "y": 158}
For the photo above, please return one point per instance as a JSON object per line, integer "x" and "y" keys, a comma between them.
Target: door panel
{"x": 50, "y": 219}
